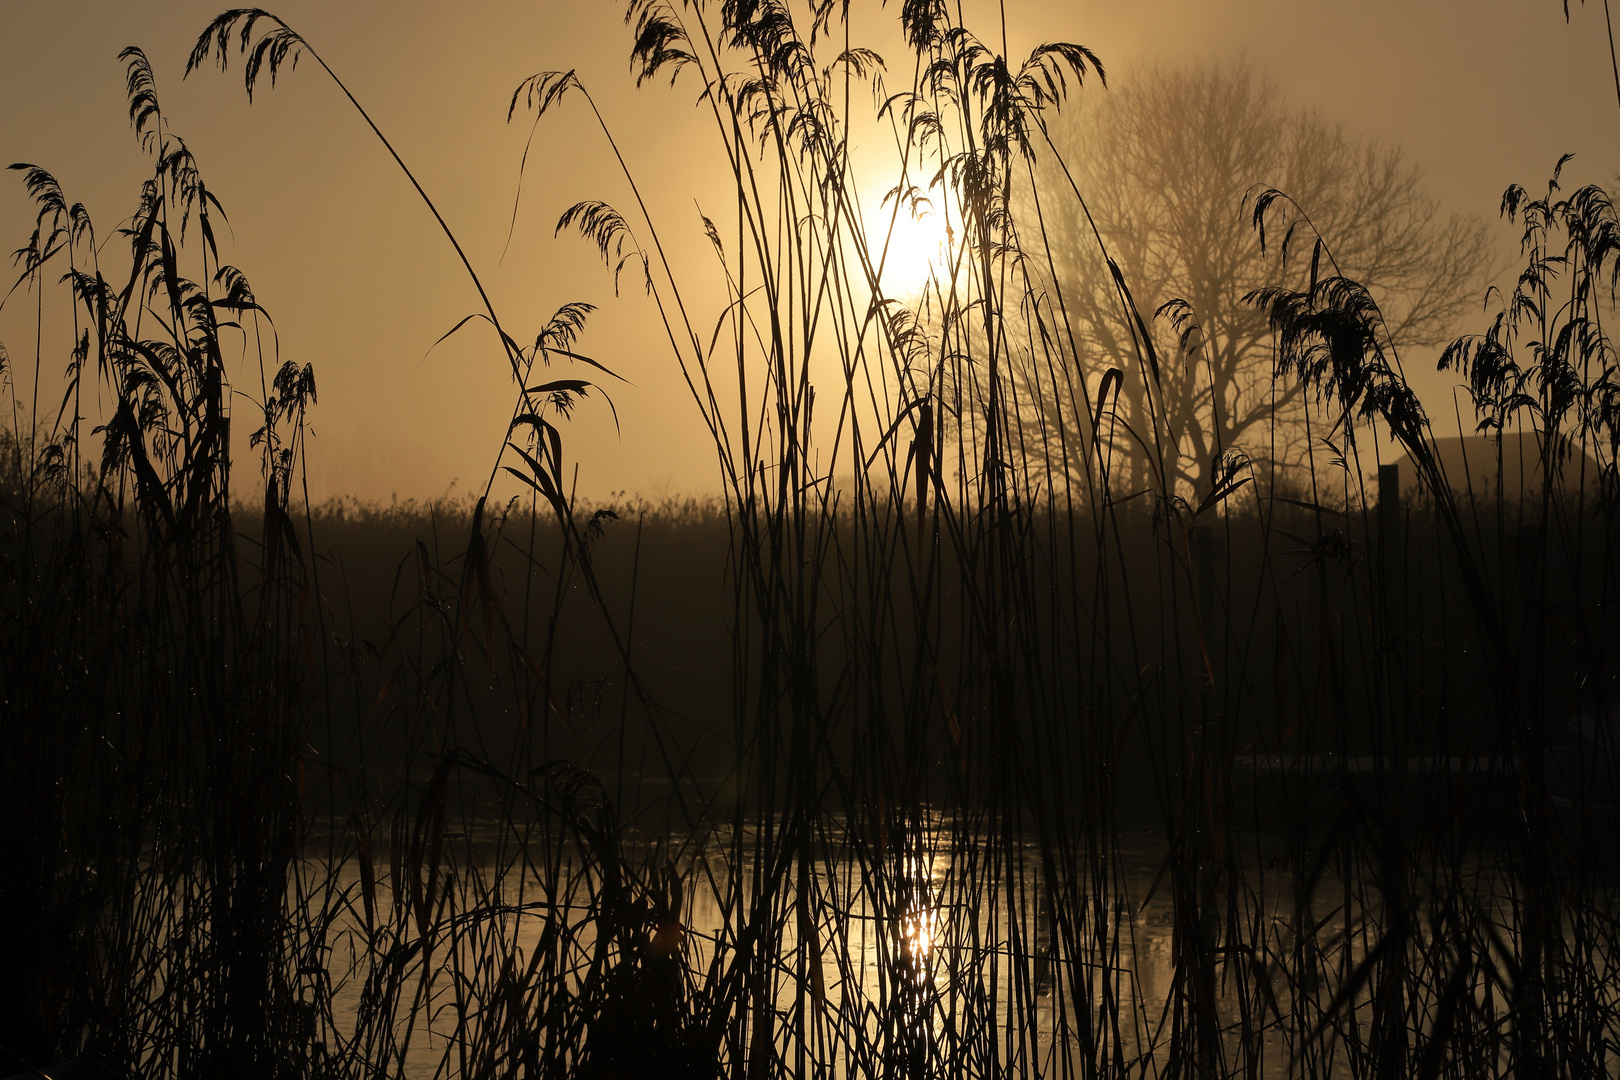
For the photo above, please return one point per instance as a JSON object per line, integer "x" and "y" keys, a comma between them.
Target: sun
{"x": 911, "y": 245}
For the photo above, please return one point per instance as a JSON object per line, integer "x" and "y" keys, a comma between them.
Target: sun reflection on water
{"x": 918, "y": 929}
{"x": 917, "y": 924}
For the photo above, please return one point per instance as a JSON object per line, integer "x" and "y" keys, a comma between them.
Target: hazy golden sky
{"x": 361, "y": 283}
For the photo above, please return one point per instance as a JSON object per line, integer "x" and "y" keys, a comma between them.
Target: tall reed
{"x": 1007, "y": 772}
{"x": 158, "y": 679}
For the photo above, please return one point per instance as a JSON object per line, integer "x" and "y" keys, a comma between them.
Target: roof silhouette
{"x": 1511, "y": 467}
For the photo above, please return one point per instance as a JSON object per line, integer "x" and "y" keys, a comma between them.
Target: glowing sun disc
{"x": 917, "y": 247}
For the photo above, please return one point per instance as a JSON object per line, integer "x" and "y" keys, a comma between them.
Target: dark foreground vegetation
{"x": 928, "y": 749}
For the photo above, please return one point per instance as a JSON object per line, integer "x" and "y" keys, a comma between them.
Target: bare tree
{"x": 1167, "y": 168}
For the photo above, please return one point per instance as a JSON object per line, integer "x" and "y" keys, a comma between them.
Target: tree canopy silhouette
{"x": 1168, "y": 168}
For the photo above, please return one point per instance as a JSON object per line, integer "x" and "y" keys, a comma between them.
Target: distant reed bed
{"x": 926, "y": 749}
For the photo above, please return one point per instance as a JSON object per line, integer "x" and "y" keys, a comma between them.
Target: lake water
{"x": 948, "y": 960}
